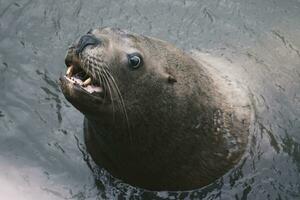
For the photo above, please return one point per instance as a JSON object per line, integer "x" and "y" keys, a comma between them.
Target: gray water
{"x": 42, "y": 153}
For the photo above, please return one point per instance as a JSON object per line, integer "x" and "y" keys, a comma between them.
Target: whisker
{"x": 101, "y": 72}
{"x": 108, "y": 85}
{"x": 101, "y": 81}
{"x": 120, "y": 97}
{"x": 115, "y": 92}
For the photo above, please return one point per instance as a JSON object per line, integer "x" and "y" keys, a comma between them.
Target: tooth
{"x": 70, "y": 71}
{"x": 87, "y": 82}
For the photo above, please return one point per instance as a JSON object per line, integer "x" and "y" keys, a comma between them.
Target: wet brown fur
{"x": 183, "y": 131}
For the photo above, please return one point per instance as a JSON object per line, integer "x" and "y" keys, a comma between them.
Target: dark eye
{"x": 135, "y": 60}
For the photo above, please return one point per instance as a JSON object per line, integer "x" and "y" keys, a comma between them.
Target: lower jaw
{"x": 76, "y": 93}
{"x": 89, "y": 105}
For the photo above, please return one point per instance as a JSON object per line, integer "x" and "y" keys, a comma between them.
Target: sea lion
{"x": 155, "y": 116}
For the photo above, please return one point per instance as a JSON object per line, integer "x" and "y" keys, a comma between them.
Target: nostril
{"x": 90, "y": 31}
{"x": 85, "y": 41}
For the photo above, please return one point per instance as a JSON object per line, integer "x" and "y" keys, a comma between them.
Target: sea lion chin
{"x": 155, "y": 116}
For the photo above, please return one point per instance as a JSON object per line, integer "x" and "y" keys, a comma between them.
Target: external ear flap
{"x": 169, "y": 76}
{"x": 171, "y": 79}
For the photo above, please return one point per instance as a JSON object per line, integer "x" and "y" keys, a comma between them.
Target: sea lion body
{"x": 179, "y": 123}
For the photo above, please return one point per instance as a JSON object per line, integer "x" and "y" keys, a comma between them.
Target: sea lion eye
{"x": 135, "y": 60}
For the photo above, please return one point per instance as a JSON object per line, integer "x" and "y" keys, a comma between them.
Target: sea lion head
{"x": 155, "y": 117}
{"x": 115, "y": 72}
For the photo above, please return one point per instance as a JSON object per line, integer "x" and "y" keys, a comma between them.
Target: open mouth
{"x": 76, "y": 75}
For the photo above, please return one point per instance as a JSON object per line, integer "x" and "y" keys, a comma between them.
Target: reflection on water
{"x": 41, "y": 141}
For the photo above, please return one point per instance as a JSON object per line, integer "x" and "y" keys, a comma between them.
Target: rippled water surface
{"x": 42, "y": 154}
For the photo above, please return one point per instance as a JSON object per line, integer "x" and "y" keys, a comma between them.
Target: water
{"x": 42, "y": 154}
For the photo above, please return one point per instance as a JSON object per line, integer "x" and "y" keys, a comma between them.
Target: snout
{"x": 86, "y": 40}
